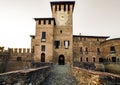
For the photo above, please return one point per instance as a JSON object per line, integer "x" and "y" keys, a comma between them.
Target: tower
{"x": 42, "y": 41}
{"x": 63, "y": 32}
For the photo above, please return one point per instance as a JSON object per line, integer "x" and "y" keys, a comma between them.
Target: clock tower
{"x": 62, "y": 12}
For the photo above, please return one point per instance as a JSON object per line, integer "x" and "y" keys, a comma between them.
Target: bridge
{"x": 53, "y": 74}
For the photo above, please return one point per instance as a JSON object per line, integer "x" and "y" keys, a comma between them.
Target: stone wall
{"x": 88, "y": 77}
{"x": 25, "y": 77}
{"x": 110, "y": 50}
{"x": 87, "y": 48}
{"x": 15, "y": 59}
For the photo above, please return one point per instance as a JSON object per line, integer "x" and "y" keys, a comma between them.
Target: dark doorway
{"x": 93, "y": 59}
{"x": 43, "y": 57}
{"x": 113, "y": 59}
{"x": 61, "y": 60}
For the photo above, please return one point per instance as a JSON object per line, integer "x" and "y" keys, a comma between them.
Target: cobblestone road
{"x": 60, "y": 75}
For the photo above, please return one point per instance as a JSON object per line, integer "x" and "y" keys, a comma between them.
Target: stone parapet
{"x": 25, "y": 77}
{"x": 89, "y": 77}
{"x": 20, "y": 50}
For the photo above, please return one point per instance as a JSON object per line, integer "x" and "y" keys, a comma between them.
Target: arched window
{"x": 43, "y": 57}
{"x": 93, "y": 59}
{"x": 81, "y": 59}
{"x": 19, "y": 59}
{"x": 86, "y": 59}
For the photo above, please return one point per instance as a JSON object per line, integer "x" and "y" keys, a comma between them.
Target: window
{"x": 112, "y": 49}
{"x": 101, "y": 60}
{"x": 81, "y": 52}
{"x": 43, "y": 48}
{"x": 86, "y": 50}
{"x": 66, "y": 44}
{"x": 113, "y": 59}
{"x": 57, "y": 44}
{"x": 98, "y": 51}
{"x": 93, "y": 59}
{"x": 86, "y": 59}
{"x": 81, "y": 59}
{"x": 19, "y": 59}
{"x": 43, "y": 36}
{"x": 60, "y": 31}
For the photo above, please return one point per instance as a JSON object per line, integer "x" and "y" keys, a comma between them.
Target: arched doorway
{"x": 61, "y": 60}
{"x": 43, "y": 57}
{"x": 93, "y": 59}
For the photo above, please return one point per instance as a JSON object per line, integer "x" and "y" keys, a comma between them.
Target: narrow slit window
{"x": 98, "y": 50}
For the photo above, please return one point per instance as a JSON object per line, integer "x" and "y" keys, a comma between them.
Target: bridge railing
{"x": 33, "y": 76}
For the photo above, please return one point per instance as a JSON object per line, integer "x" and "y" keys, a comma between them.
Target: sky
{"x": 90, "y": 17}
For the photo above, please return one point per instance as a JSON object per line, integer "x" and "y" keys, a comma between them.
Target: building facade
{"x": 54, "y": 40}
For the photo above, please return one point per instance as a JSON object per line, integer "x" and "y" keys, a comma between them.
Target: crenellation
{"x": 45, "y": 21}
{"x": 15, "y": 50}
{"x": 52, "y": 22}
{"x": 28, "y": 50}
{"x": 57, "y": 7}
{"x": 19, "y": 50}
{"x": 24, "y": 50}
{"x": 53, "y": 8}
{"x": 42, "y": 22}
{"x": 71, "y": 9}
{"x": 62, "y": 7}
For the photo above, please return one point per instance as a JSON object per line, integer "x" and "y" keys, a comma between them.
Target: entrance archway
{"x": 61, "y": 60}
{"x": 43, "y": 57}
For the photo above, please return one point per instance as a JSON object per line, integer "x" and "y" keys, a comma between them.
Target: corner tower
{"x": 62, "y": 11}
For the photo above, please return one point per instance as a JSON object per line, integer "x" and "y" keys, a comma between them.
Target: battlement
{"x": 45, "y": 21}
{"x": 20, "y": 50}
{"x": 62, "y": 5}
{"x": 1, "y": 49}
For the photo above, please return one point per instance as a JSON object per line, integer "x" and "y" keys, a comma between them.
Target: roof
{"x": 90, "y": 36}
{"x": 111, "y": 40}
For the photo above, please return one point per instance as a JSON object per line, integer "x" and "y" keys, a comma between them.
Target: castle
{"x": 54, "y": 41}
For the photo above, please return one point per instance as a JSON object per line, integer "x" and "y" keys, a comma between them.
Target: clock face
{"x": 62, "y": 17}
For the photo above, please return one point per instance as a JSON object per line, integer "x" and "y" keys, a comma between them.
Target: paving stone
{"x": 60, "y": 75}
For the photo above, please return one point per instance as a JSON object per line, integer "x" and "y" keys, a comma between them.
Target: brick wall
{"x": 88, "y": 77}
{"x": 25, "y": 77}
